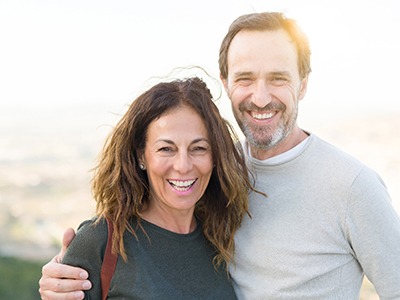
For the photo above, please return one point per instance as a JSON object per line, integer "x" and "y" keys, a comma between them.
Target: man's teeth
{"x": 181, "y": 185}
{"x": 263, "y": 116}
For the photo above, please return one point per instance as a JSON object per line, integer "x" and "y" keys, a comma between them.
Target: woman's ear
{"x": 141, "y": 161}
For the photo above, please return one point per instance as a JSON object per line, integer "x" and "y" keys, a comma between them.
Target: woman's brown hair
{"x": 121, "y": 188}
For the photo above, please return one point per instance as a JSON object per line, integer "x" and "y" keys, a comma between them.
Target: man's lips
{"x": 262, "y": 115}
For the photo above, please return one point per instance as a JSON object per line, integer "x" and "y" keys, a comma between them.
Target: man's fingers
{"x": 54, "y": 288}
{"x": 54, "y": 285}
{"x": 57, "y": 271}
{"x": 63, "y": 285}
{"x": 60, "y": 281}
{"x": 49, "y": 295}
{"x": 68, "y": 236}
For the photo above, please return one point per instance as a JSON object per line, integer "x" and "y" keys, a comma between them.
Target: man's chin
{"x": 264, "y": 143}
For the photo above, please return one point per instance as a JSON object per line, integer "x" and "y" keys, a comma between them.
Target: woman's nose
{"x": 183, "y": 163}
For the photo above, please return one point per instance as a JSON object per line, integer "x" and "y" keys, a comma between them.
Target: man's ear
{"x": 303, "y": 88}
{"x": 224, "y": 83}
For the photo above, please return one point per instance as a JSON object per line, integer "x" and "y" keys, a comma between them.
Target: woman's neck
{"x": 178, "y": 222}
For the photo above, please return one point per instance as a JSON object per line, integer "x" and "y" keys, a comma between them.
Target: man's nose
{"x": 261, "y": 94}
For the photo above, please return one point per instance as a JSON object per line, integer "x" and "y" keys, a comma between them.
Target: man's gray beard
{"x": 267, "y": 142}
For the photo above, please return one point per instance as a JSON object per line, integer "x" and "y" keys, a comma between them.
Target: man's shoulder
{"x": 328, "y": 150}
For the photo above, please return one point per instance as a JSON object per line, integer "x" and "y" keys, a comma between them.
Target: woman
{"x": 174, "y": 185}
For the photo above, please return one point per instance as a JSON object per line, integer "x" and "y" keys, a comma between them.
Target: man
{"x": 327, "y": 220}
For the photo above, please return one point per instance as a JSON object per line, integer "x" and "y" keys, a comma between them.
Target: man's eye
{"x": 279, "y": 80}
{"x": 243, "y": 80}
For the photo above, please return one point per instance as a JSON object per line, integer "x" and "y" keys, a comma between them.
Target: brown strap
{"x": 109, "y": 263}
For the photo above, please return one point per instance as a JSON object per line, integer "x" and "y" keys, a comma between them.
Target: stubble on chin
{"x": 263, "y": 138}
{"x": 266, "y": 137}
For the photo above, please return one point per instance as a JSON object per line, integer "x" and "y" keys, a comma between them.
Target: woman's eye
{"x": 165, "y": 149}
{"x": 200, "y": 149}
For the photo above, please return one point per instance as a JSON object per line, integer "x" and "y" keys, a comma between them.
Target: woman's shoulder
{"x": 90, "y": 240}
{"x": 92, "y": 231}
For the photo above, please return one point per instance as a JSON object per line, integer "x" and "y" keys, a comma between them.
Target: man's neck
{"x": 292, "y": 140}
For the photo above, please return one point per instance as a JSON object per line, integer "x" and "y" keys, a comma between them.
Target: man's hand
{"x": 60, "y": 281}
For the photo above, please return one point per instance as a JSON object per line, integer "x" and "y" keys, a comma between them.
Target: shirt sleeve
{"x": 374, "y": 233}
{"x": 86, "y": 251}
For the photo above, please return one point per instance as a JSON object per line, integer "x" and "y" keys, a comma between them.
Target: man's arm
{"x": 61, "y": 281}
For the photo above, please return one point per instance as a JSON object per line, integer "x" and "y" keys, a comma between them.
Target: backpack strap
{"x": 109, "y": 263}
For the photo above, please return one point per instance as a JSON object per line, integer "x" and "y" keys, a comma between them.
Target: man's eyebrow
{"x": 273, "y": 73}
{"x": 246, "y": 73}
{"x": 280, "y": 73}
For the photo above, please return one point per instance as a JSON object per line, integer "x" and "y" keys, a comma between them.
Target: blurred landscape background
{"x": 69, "y": 70}
{"x": 46, "y": 156}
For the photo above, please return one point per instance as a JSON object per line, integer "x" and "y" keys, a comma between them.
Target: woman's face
{"x": 178, "y": 160}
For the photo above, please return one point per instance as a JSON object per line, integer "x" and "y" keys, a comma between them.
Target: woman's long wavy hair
{"x": 121, "y": 188}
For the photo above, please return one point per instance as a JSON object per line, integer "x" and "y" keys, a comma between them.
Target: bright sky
{"x": 57, "y": 51}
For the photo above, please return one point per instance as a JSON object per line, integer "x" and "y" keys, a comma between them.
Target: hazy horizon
{"x": 69, "y": 69}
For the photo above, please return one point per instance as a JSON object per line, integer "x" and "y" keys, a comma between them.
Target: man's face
{"x": 264, "y": 86}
